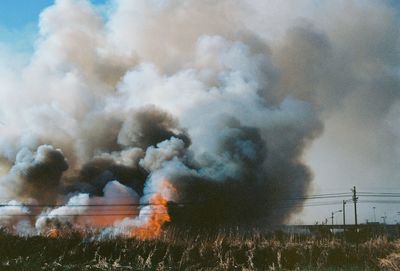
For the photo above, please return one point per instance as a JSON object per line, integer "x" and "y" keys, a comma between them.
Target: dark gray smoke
{"x": 37, "y": 174}
{"x": 149, "y": 126}
{"x": 208, "y": 104}
{"x": 189, "y": 120}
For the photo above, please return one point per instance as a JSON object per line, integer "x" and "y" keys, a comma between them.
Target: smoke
{"x": 12, "y": 212}
{"x": 75, "y": 206}
{"x": 35, "y": 175}
{"x": 188, "y": 112}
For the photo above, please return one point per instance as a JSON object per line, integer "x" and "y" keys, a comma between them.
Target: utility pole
{"x": 355, "y": 205}
{"x": 384, "y": 218}
{"x": 344, "y": 215}
{"x": 374, "y": 213}
{"x": 333, "y": 215}
{"x": 344, "y": 220}
{"x": 355, "y": 214}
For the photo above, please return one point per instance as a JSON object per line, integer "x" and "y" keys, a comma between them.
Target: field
{"x": 184, "y": 250}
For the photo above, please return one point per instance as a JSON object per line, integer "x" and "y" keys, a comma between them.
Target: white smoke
{"x": 164, "y": 151}
{"x": 12, "y": 211}
{"x": 219, "y": 99}
{"x": 75, "y": 206}
{"x": 83, "y": 212}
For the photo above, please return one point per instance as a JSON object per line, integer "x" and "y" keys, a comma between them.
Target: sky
{"x": 338, "y": 159}
{"x": 17, "y": 14}
{"x": 19, "y": 22}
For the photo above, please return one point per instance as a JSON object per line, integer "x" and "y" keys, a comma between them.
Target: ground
{"x": 200, "y": 250}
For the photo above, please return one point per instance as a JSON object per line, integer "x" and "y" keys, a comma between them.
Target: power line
{"x": 366, "y": 192}
{"x": 318, "y": 196}
{"x": 80, "y": 205}
{"x": 284, "y": 203}
{"x": 148, "y": 213}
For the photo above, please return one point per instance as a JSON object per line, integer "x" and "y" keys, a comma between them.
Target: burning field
{"x": 159, "y": 134}
{"x": 114, "y": 125}
{"x": 137, "y": 115}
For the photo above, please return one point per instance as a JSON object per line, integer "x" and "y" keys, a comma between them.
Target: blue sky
{"x": 16, "y": 14}
{"x": 19, "y": 20}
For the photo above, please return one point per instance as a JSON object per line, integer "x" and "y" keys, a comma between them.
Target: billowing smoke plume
{"x": 193, "y": 112}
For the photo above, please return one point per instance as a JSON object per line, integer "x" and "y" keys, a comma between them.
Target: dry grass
{"x": 184, "y": 250}
{"x": 391, "y": 261}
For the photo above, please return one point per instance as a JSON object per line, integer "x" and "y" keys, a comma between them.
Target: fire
{"x": 158, "y": 216}
{"x": 53, "y": 233}
{"x": 124, "y": 215}
{"x": 157, "y": 213}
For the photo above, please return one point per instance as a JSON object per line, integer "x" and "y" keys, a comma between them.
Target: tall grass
{"x": 196, "y": 250}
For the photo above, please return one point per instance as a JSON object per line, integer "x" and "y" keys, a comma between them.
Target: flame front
{"x": 53, "y": 233}
{"x": 122, "y": 216}
{"x": 157, "y": 216}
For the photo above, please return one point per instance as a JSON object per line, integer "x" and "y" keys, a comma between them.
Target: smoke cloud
{"x": 188, "y": 112}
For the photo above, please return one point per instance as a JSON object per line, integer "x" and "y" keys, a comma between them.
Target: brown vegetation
{"x": 184, "y": 250}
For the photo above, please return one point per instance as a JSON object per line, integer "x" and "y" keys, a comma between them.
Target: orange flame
{"x": 152, "y": 217}
{"x": 157, "y": 212}
{"x": 158, "y": 216}
{"x": 53, "y": 233}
